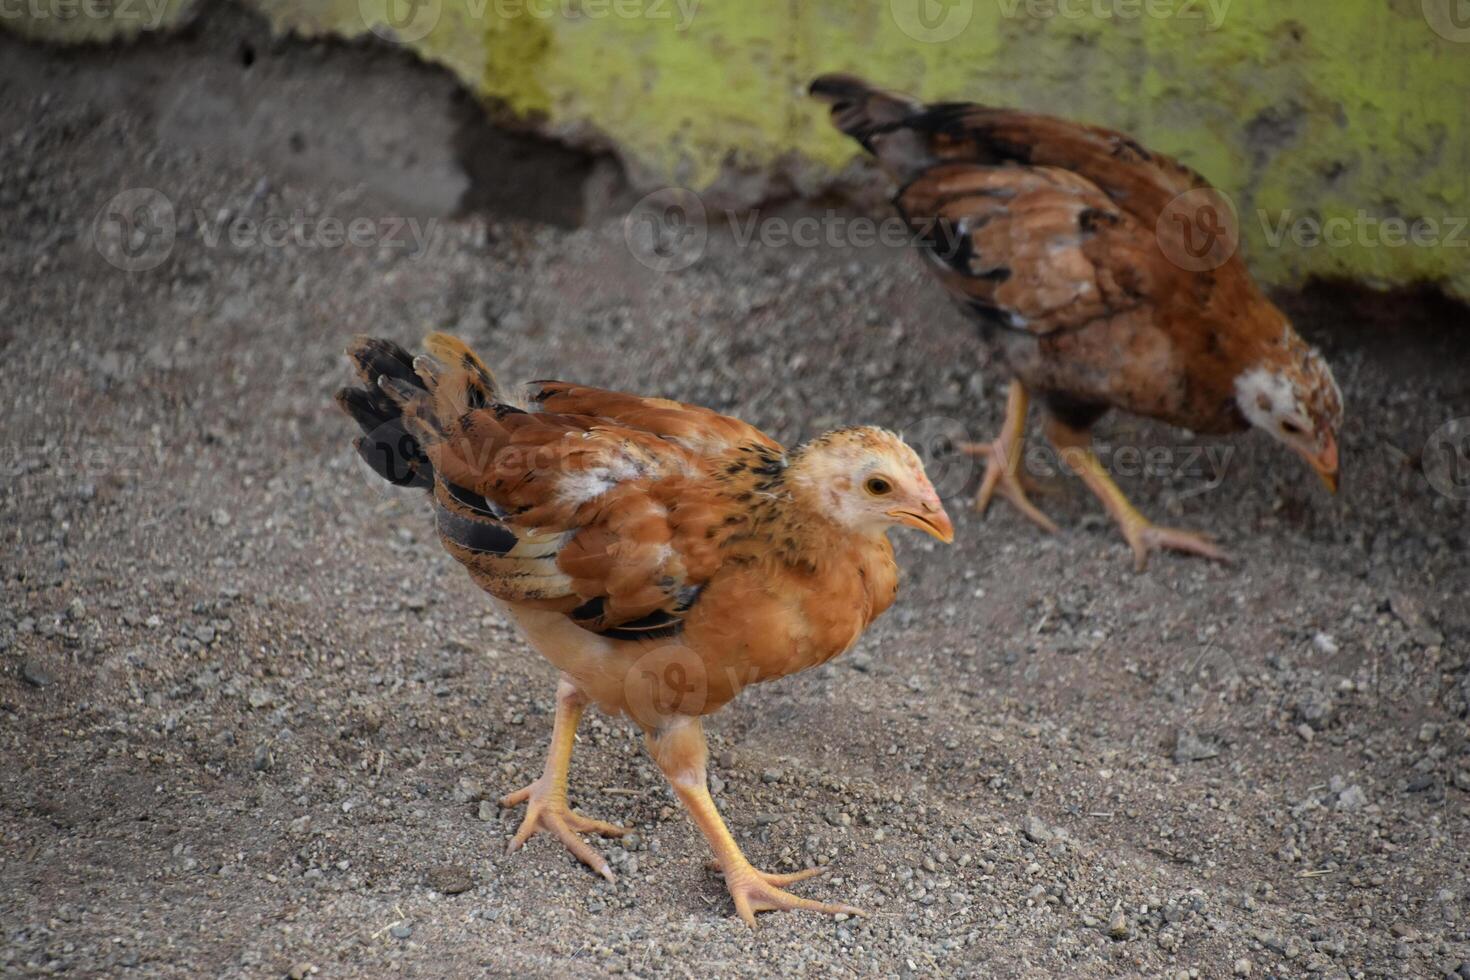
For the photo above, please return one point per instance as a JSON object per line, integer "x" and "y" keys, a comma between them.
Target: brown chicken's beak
{"x": 932, "y": 520}
{"x": 1325, "y": 463}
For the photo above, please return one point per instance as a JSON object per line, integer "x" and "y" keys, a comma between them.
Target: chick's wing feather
{"x": 610, "y": 508}
{"x": 700, "y": 430}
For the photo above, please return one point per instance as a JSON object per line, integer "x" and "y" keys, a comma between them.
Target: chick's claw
{"x": 756, "y": 891}
{"x": 779, "y": 880}
{"x": 547, "y": 812}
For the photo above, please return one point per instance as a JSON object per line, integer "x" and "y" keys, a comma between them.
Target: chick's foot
{"x": 547, "y": 811}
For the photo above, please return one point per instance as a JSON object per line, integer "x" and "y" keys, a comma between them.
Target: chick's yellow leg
{"x": 680, "y": 751}
{"x": 1075, "y": 448}
{"x": 1003, "y": 471}
{"x": 546, "y": 798}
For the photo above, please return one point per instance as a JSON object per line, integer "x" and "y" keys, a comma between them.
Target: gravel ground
{"x": 254, "y": 720}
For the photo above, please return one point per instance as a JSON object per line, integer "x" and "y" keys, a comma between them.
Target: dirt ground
{"x": 254, "y": 721}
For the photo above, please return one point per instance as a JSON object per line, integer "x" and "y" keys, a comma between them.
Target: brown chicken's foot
{"x": 546, "y": 798}
{"x": 680, "y": 750}
{"x": 1142, "y": 535}
{"x": 1145, "y": 538}
{"x": 1003, "y": 472}
{"x": 1004, "y": 477}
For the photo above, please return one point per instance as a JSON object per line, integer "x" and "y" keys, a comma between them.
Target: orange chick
{"x": 660, "y": 555}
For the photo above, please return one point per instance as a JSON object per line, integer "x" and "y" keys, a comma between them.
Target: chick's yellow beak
{"x": 931, "y": 519}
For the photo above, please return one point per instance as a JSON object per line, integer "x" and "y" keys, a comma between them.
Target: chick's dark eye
{"x": 878, "y": 486}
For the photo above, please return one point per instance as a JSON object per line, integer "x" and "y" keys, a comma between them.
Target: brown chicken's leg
{"x": 680, "y": 751}
{"x": 1003, "y": 462}
{"x": 546, "y": 798}
{"x": 1075, "y": 448}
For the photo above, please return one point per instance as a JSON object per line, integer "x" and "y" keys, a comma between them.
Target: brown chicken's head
{"x": 869, "y": 480}
{"x": 1295, "y": 400}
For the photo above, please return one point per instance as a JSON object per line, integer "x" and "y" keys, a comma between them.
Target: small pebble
{"x": 34, "y": 673}
{"x": 1189, "y": 747}
{"x": 451, "y": 879}
{"x": 1352, "y": 798}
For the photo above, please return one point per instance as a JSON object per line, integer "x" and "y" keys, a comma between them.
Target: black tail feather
{"x": 382, "y": 358}
{"x": 886, "y": 124}
{"x": 386, "y": 445}
{"x": 860, "y": 109}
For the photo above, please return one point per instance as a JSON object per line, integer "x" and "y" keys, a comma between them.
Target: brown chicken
{"x": 661, "y": 556}
{"x": 1104, "y": 276}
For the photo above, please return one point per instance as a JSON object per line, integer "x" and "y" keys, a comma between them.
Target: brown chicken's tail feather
{"x": 861, "y": 110}
{"x": 879, "y": 120}
{"x": 405, "y": 397}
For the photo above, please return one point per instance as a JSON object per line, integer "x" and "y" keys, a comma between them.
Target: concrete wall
{"x": 1348, "y": 115}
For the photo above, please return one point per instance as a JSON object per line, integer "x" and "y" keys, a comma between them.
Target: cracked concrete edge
{"x": 1336, "y": 130}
